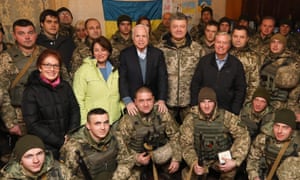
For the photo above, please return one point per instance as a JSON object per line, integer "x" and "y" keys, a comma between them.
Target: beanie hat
{"x": 286, "y": 21}
{"x": 263, "y": 93}
{"x": 285, "y": 116}
{"x": 207, "y": 93}
{"x": 26, "y": 143}
{"x": 279, "y": 37}
{"x": 123, "y": 18}
{"x": 64, "y": 9}
{"x": 1, "y": 28}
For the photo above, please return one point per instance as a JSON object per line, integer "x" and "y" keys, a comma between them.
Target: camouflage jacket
{"x": 292, "y": 43}
{"x": 181, "y": 64}
{"x": 284, "y": 85}
{"x": 118, "y": 43}
{"x": 11, "y": 63}
{"x": 258, "y": 151}
{"x": 250, "y": 61}
{"x": 51, "y": 170}
{"x": 257, "y": 122}
{"x": 207, "y": 49}
{"x": 289, "y": 169}
{"x": 80, "y": 53}
{"x": 258, "y": 44}
{"x": 127, "y": 130}
{"x": 159, "y": 31}
{"x": 239, "y": 133}
{"x": 197, "y": 31}
{"x": 80, "y": 139}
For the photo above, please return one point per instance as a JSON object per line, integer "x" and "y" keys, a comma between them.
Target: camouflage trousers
{"x": 213, "y": 172}
{"x": 179, "y": 113}
{"x": 21, "y": 122}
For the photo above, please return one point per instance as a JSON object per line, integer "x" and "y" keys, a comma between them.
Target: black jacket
{"x": 131, "y": 75}
{"x": 63, "y": 44}
{"x": 49, "y": 112}
{"x": 229, "y": 83}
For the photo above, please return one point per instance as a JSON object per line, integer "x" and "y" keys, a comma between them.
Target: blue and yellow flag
{"x": 133, "y": 8}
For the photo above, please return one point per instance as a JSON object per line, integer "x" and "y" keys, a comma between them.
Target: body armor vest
{"x": 263, "y": 125}
{"x": 271, "y": 151}
{"x": 101, "y": 162}
{"x": 211, "y": 137}
{"x": 267, "y": 78}
{"x": 152, "y": 134}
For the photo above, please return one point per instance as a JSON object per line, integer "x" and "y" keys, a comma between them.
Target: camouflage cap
{"x": 26, "y": 143}
{"x": 285, "y": 116}
{"x": 280, "y": 38}
{"x": 1, "y": 28}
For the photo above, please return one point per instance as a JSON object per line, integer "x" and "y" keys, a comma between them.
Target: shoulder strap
{"x": 277, "y": 160}
{"x": 25, "y": 68}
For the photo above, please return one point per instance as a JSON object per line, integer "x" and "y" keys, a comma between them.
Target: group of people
{"x": 212, "y": 103}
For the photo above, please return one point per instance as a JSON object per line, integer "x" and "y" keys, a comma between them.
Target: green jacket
{"x": 92, "y": 91}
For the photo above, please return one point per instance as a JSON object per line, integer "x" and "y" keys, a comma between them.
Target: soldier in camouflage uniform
{"x": 280, "y": 74}
{"x": 93, "y": 29}
{"x": 260, "y": 41}
{"x": 31, "y": 161}
{"x": 121, "y": 39}
{"x": 3, "y": 45}
{"x": 163, "y": 27}
{"x": 258, "y": 115}
{"x": 289, "y": 169}
{"x": 268, "y": 146}
{"x": 181, "y": 56}
{"x": 198, "y": 31}
{"x": 292, "y": 40}
{"x": 248, "y": 58}
{"x": 208, "y": 130}
{"x": 96, "y": 144}
{"x": 149, "y": 135}
{"x": 208, "y": 40}
{"x": 12, "y": 62}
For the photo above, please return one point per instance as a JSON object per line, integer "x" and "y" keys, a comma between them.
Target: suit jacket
{"x": 131, "y": 78}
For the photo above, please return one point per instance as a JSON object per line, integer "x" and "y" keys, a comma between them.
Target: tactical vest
{"x": 267, "y": 79}
{"x": 271, "y": 151}
{"x": 152, "y": 134}
{"x": 101, "y": 162}
{"x": 211, "y": 137}
{"x": 254, "y": 128}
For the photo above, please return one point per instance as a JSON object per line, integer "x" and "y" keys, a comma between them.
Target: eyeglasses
{"x": 49, "y": 66}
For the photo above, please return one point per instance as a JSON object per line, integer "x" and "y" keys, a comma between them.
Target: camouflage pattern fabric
{"x": 197, "y": 31}
{"x": 181, "y": 64}
{"x": 258, "y": 44}
{"x": 51, "y": 170}
{"x": 289, "y": 169}
{"x": 80, "y": 53}
{"x": 119, "y": 43}
{"x": 292, "y": 43}
{"x": 207, "y": 49}
{"x": 250, "y": 61}
{"x": 258, "y": 151}
{"x": 128, "y": 167}
{"x": 160, "y": 31}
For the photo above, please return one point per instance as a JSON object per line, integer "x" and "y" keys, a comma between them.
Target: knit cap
{"x": 123, "y": 18}
{"x": 286, "y": 21}
{"x": 263, "y": 93}
{"x": 279, "y": 37}
{"x": 207, "y": 93}
{"x": 26, "y": 143}
{"x": 285, "y": 116}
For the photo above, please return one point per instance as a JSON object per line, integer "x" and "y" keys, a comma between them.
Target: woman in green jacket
{"x": 96, "y": 82}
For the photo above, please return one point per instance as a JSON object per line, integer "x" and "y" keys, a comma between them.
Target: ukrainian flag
{"x": 133, "y": 8}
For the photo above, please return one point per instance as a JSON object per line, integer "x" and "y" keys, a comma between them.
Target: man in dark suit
{"x": 142, "y": 65}
{"x": 224, "y": 73}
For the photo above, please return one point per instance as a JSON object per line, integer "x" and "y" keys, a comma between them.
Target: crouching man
{"x": 31, "y": 161}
